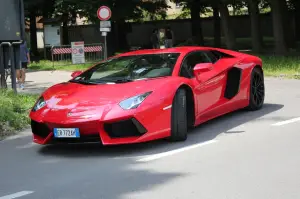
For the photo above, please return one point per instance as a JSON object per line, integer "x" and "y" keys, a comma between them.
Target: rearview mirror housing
{"x": 76, "y": 73}
{"x": 202, "y": 68}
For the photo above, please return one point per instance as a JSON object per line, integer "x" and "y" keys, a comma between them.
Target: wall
{"x": 139, "y": 35}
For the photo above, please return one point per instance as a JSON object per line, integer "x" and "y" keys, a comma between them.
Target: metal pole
{"x": 13, "y": 69}
{"x": 12, "y": 61}
{"x": 2, "y": 69}
{"x": 105, "y": 51}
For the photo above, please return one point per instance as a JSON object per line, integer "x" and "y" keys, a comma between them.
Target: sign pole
{"x": 104, "y": 14}
{"x": 105, "y": 44}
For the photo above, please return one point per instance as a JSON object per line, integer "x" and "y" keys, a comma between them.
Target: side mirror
{"x": 76, "y": 73}
{"x": 202, "y": 68}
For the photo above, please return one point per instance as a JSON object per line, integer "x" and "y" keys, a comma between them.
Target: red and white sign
{"x": 78, "y": 52}
{"x": 104, "y": 13}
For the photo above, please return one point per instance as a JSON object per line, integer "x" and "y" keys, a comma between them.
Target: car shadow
{"x": 204, "y": 132}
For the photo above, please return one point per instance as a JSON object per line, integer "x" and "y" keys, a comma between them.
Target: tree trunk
{"x": 277, "y": 18}
{"x": 297, "y": 19}
{"x": 257, "y": 39}
{"x": 196, "y": 22}
{"x": 227, "y": 26}
{"x": 65, "y": 33}
{"x": 217, "y": 27}
{"x": 287, "y": 28}
{"x": 33, "y": 32}
{"x": 122, "y": 30}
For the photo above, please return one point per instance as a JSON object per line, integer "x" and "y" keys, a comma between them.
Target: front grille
{"x": 39, "y": 129}
{"x": 83, "y": 139}
{"x": 125, "y": 128}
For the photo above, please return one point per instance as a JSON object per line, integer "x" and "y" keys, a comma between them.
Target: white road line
{"x": 287, "y": 122}
{"x": 168, "y": 153}
{"x": 17, "y": 195}
{"x": 26, "y": 146}
{"x": 20, "y": 135}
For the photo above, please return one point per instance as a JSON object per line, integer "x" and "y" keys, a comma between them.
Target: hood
{"x": 70, "y": 95}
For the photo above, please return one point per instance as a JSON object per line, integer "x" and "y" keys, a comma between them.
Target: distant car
{"x": 147, "y": 95}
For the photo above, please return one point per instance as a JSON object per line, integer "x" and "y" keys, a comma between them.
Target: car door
{"x": 208, "y": 91}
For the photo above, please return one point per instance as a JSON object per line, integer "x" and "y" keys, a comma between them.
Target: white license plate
{"x": 66, "y": 133}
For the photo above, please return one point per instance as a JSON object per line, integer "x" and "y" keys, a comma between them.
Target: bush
{"x": 14, "y": 111}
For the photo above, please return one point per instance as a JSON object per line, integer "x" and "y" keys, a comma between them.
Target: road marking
{"x": 287, "y": 122}
{"x": 17, "y": 195}
{"x": 23, "y": 134}
{"x": 168, "y": 153}
{"x": 26, "y": 146}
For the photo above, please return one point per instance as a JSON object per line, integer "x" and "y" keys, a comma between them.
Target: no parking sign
{"x": 78, "y": 52}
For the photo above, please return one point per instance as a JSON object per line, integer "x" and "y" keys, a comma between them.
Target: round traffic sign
{"x": 104, "y": 13}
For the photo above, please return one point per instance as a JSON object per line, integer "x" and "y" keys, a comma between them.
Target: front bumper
{"x": 92, "y": 131}
{"x": 129, "y": 127}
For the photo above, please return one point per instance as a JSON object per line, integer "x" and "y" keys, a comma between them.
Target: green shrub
{"x": 14, "y": 110}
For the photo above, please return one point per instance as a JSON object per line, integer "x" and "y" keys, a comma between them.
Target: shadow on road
{"x": 205, "y": 132}
{"x": 87, "y": 171}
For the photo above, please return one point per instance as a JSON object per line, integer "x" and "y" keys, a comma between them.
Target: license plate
{"x": 66, "y": 133}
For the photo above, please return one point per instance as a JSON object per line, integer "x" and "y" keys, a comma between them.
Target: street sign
{"x": 105, "y": 26}
{"x": 104, "y": 13}
{"x": 105, "y": 29}
{"x": 78, "y": 52}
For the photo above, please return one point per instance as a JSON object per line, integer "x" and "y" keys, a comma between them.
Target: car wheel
{"x": 179, "y": 125}
{"x": 257, "y": 90}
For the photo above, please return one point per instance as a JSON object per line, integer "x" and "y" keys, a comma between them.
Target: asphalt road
{"x": 244, "y": 155}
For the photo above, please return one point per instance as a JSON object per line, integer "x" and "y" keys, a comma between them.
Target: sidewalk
{"x": 39, "y": 81}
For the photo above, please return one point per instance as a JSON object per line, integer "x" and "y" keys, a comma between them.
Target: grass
{"x": 286, "y": 66}
{"x": 14, "y": 111}
{"x": 48, "y": 65}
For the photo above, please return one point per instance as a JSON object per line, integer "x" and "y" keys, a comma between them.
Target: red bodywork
{"x": 91, "y": 108}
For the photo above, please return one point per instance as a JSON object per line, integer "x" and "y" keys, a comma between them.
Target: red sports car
{"x": 147, "y": 95}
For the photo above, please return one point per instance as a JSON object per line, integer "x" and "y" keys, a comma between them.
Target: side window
{"x": 212, "y": 56}
{"x": 190, "y": 62}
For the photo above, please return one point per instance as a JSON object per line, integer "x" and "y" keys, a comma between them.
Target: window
{"x": 190, "y": 62}
{"x": 212, "y": 56}
{"x": 130, "y": 68}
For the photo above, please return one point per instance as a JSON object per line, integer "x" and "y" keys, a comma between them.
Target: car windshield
{"x": 130, "y": 68}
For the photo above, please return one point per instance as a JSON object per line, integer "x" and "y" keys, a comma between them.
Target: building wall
{"x": 139, "y": 34}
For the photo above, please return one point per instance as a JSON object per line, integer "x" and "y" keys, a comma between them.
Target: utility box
{"x": 12, "y": 31}
{"x": 12, "y": 20}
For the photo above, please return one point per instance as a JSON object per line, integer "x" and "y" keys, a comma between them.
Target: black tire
{"x": 179, "y": 127}
{"x": 257, "y": 90}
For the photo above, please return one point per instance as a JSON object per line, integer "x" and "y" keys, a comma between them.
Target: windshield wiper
{"x": 83, "y": 82}
{"x": 123, "y": 80}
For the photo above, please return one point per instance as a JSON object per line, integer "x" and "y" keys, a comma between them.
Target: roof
{"x": 184, "y": 49}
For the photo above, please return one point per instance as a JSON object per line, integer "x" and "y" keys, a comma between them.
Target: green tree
{"x": 122, "y": 11}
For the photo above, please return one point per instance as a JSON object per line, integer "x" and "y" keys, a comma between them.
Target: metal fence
{"x": 62, "y": 55}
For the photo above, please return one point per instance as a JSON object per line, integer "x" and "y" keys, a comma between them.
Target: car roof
{"x": 184, "y": 49}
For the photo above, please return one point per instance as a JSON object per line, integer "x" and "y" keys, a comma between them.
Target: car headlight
{"x": 134, "y": 102}
{"x": 39, "y": 104}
